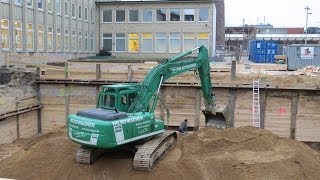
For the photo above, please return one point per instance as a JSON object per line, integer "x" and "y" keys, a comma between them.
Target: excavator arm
{"x": 150, "y": 87}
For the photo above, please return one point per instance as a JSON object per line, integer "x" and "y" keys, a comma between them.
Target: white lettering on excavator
{"x": 118, "y": 129}
{"x": 126, "y": 121}
{"x": 82, "y": 123}
{"x": 184, "y": 67}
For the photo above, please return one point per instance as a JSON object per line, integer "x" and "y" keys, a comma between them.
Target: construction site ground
{"x": 240, "y": 153}
{"x": 237, "y": 153}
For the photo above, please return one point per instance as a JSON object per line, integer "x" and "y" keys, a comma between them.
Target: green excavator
{"x": 124, "y": 115}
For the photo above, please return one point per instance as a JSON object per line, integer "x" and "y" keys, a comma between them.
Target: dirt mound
{"x": 240, "y": 153}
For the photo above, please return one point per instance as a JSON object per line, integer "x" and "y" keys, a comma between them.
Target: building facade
{"x": 57, "y": 28}
{"x": 155, "y": 28}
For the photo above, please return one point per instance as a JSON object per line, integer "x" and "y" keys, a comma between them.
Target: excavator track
{"x": 86, "y": 155}
{"x": 150, "y": 151}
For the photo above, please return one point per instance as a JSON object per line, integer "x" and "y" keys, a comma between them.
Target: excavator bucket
{"x": 218, "y": 119}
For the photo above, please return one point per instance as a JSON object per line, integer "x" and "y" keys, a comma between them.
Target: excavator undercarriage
{"x": 145, "y": 156}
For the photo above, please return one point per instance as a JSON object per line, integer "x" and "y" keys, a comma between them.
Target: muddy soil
{"x": 240, "y": 153}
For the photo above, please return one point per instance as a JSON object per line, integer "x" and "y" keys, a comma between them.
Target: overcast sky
{"x": 280, "y": 13}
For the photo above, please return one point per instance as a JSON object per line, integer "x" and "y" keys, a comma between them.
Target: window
{"x": 49, "y": 5}
{"x": 80, "y": 11}
{"x": 80, "y": 41}
{"x": 120, "y": 42}
{"x": 73, "y": 41}
{"x": 204, "y": 14}
{"x": 58, "y": 39}
{"x": 109, "y": 101}
{"x": 30, "y": 3}
{"x": 175, "y": 43}
{"x": 18, "y": 2}
{"x": 30, "y": 37}
{"x": 161, "y": 43}
{"x": 18, "y": 34}
{"x": 107, "y": 16}
{"x": 66, "y": 40}
{"x": 203, "y": 39}
{"x": 174, "y": 14}
{"x": 133, "y": 43}
{"x": 161, "y": 15}
{"x": 86, "y": 43}
{"x": 50, "y": 39}
{"x": 189, "y": 15}
{"x": 40, "y": 37}
{"x": 91, "y": 14}
{"x": 147, "y": 15}
{"x": 120, "y": 15}
{"x": 6, "y": 1}
{"x": 58, "y": 6}
{"x": 73, "y": 10}
{"x": 86, "y": 14}
{"x": 188, "y": 41}
{"x": 92, "y": 43}
{"x": 4, "y": 33}
{"x": 66, "y": 8}
{"x": 147, "y": 42}
{"x": 107, "y": 42}
{"x": 40, "y": 4}
{"x": 133, "y": 15}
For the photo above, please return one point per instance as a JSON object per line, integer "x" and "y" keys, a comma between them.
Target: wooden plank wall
{"x": 8, "y": 129}
{"x": 83, "y": 98}
{"x": 181, "y": 104}
{"x": 53, "y": 114}
{"x": 278, "y": 113}
{"x": 308, "y": 117}
{"x": 24, "y": 125}
{"x": 28, "y": 124}
{"x": 243, "y": 108}
{"x": 185, "y": 102}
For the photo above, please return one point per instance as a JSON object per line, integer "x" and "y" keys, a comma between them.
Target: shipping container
{"x": 263, "y": 51}
{"x": 302, "y": 55}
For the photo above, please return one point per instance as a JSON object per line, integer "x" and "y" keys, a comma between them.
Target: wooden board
{"x": 53, "y": 116}
{"x": 28, "y": 124}
{"x": 243, "y": 109}
{"x": 8, "y": 129}
{"x": 308, "y": 117}
{"x": 278, "y": 113}
{"x": 52, "y": 94}
{"x": 181, "y": 103}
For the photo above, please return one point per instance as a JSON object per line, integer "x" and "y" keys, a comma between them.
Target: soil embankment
{"x": 240, "y": 153}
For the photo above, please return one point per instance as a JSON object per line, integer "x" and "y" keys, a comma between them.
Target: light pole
{"x": 307, "y": 8}
{"x": 243, "y": 34}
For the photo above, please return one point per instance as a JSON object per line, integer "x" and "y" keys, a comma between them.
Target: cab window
{"x": 109, "y": 100}
{"x": 124, "y": 100}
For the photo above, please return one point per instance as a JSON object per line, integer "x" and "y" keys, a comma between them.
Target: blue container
{"x": 263, "y": 51}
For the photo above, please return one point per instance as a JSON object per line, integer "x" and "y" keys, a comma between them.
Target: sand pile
{"x": 240, "y": 153}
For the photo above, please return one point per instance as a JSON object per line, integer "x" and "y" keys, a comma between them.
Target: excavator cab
{"x": 219, "y": 118}
{"x": 117, "y": 97}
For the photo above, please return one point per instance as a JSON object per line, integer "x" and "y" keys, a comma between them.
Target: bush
{"x": 104, "y": 52}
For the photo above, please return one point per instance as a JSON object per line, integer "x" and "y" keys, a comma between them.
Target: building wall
{"x": 138, "y": 34}
{"x": 48, "y": 28}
